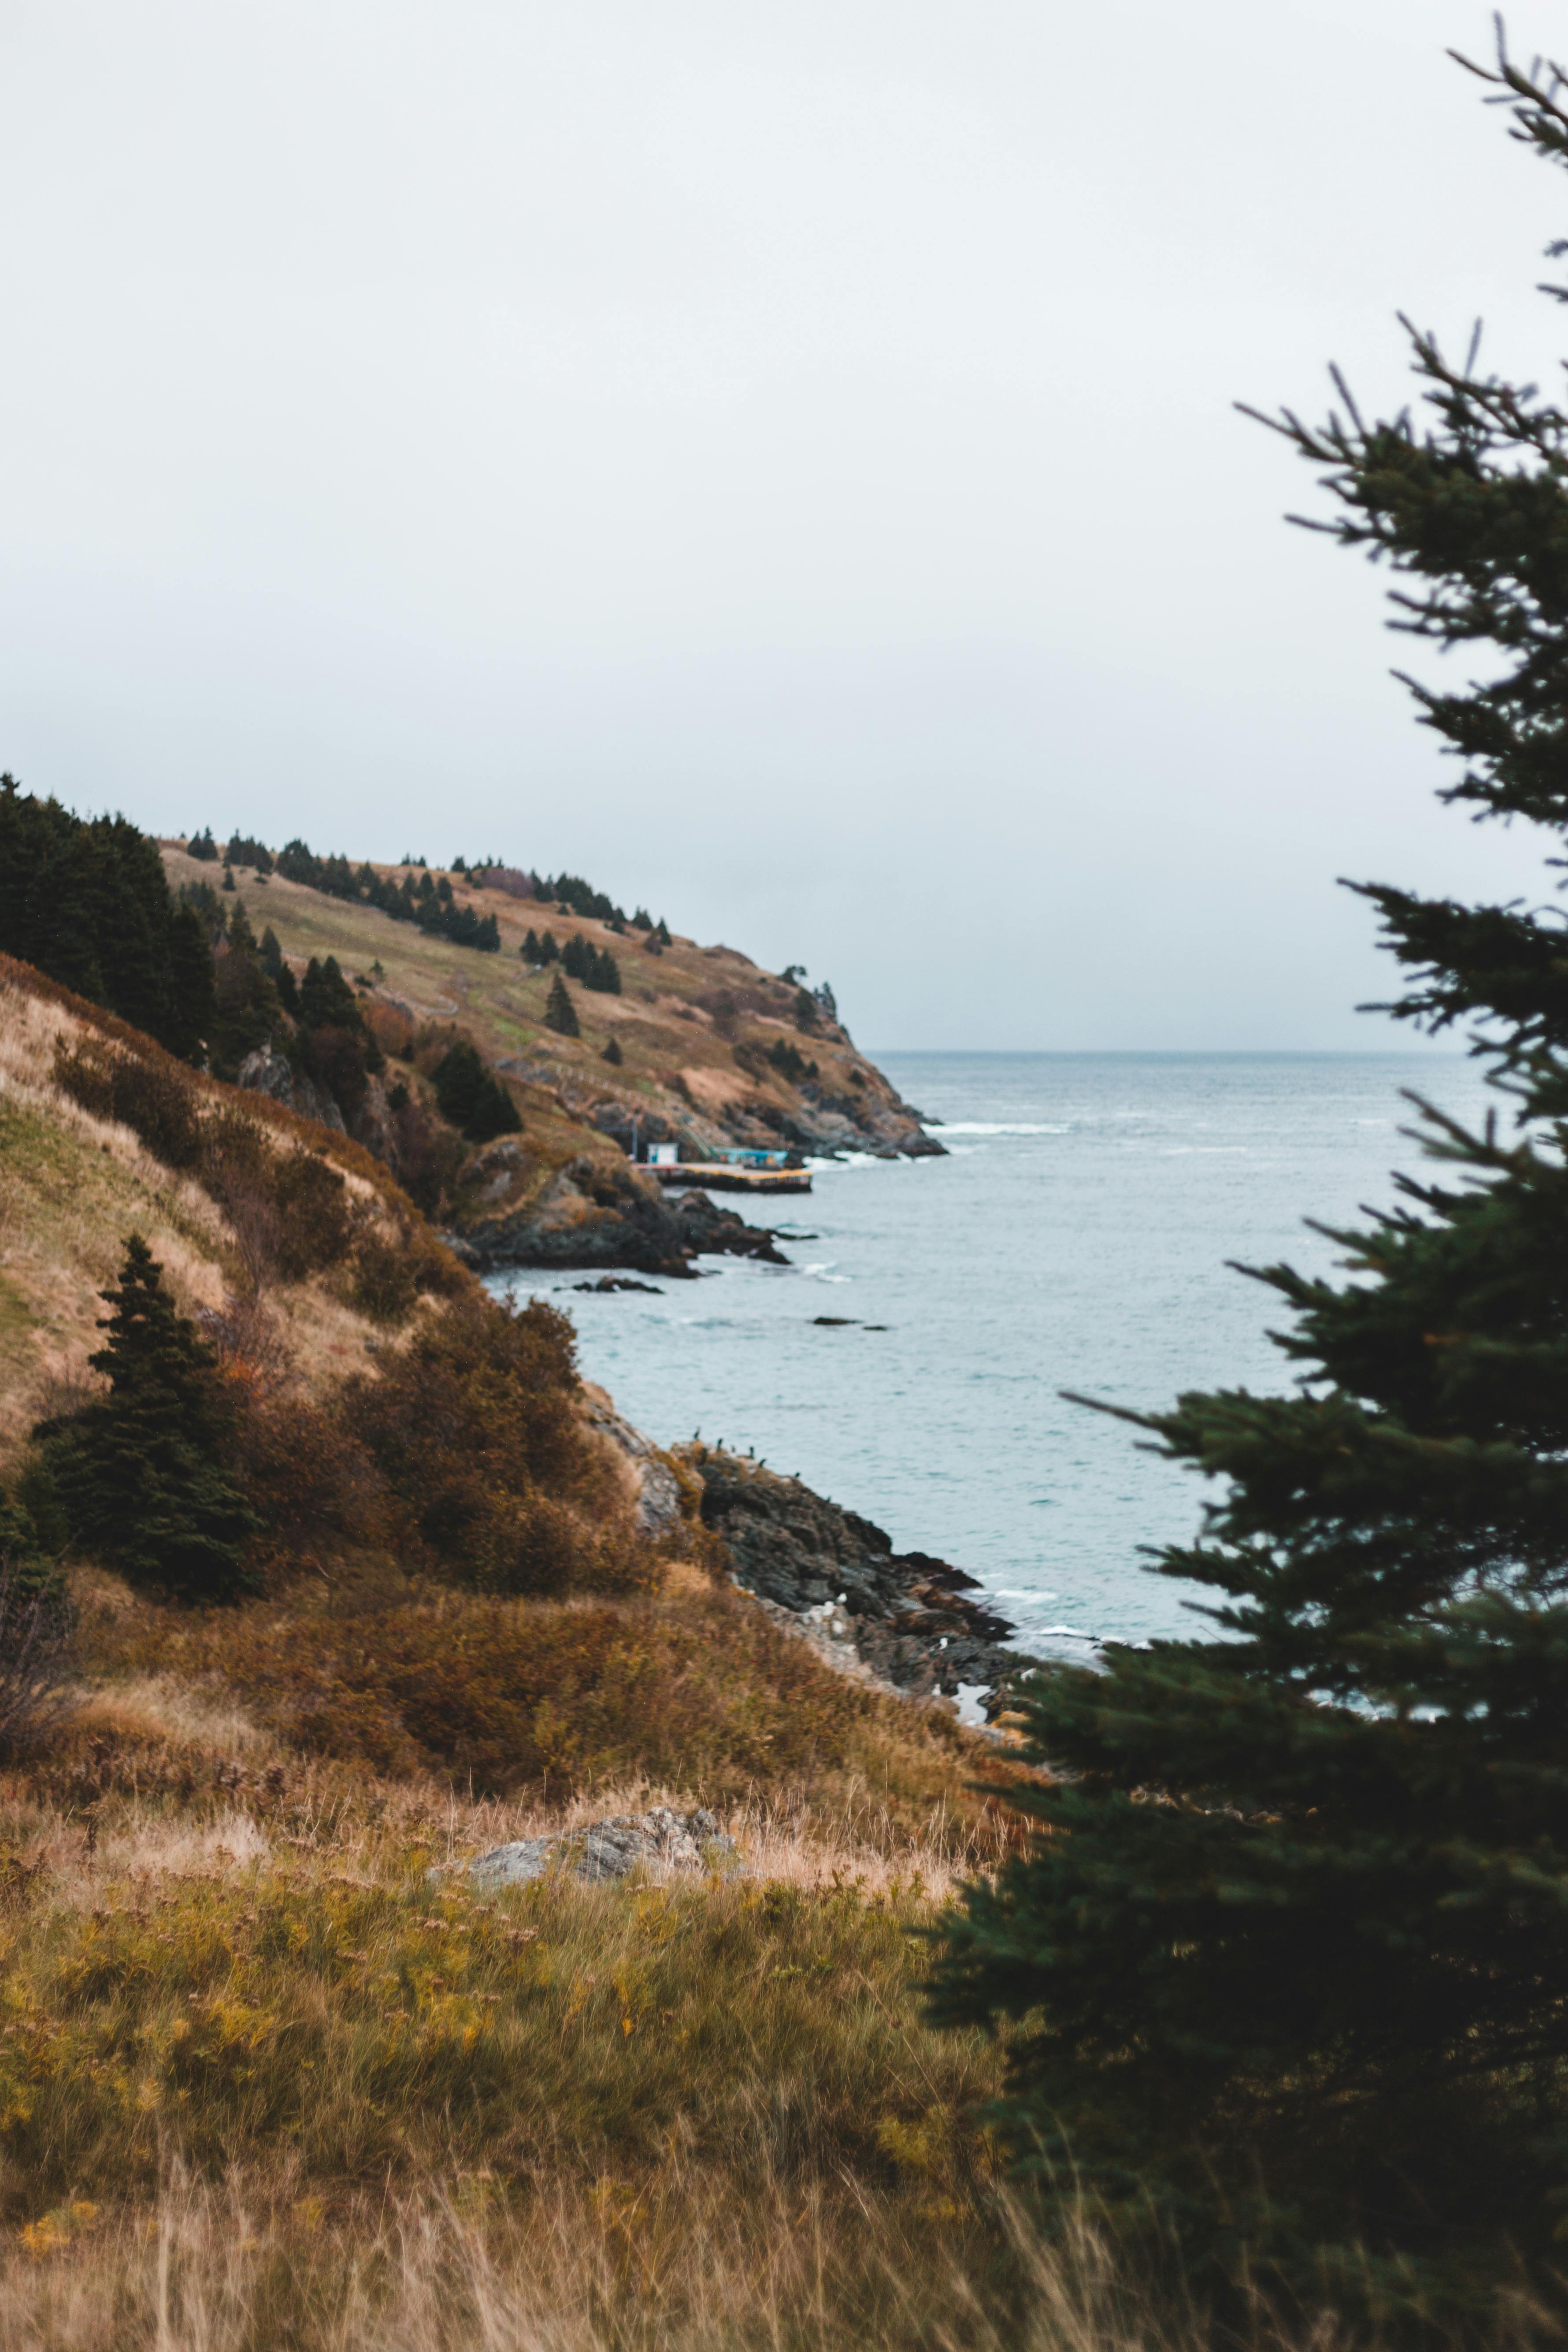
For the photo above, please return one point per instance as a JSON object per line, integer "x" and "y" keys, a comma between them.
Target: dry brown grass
{"x": 237, "y": 2267}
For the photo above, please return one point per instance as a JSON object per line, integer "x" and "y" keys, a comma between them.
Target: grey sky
{"x": 776, "y": 460}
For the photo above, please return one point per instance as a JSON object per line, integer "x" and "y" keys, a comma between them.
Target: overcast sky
{"x": 773, "y": 456}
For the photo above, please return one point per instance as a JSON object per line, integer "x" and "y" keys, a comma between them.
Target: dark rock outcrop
{"x": 592, "y": 1217}
{"x": 909, "y": 1616}
{"x": 709, "y": 1230}
{"x": 269, "y": 1072}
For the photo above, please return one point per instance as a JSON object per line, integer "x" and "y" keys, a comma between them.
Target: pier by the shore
{"x": 726, "y": 1176}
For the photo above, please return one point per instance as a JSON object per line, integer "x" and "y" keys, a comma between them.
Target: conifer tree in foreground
{"x": 139, "y": 1474}
{"x": 1287, "y": 1957}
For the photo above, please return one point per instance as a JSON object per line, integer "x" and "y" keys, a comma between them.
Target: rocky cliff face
{"x": 268, "y": 1072}
{"x": 822, "y": 1123}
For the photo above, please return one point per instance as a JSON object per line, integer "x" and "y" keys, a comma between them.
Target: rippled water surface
{"x": 1075, "y": 1237}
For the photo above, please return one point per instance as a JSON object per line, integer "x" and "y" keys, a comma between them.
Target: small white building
{"x": 663, "y": 1155}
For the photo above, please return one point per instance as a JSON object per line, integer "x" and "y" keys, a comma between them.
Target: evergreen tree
{"x": 560, "y": 1013}
{"x": 244, "y": 850}
{"x": 548, "y": 950}
{"x": 191, "y": 989}
{"x": 326, "y": 1000}
{"x": 203, "y": 846}
{"x": 1290, "y": 1956}
{"x": 333, "y": 1045}
{"x": 642, "y": 920}
{"x": 248, "y": 1013}
{"x": 613, "y": 1053}
{"x": 471, "y": 1097}
{"x": 530, "y": 951}
{"x": 89, "y": 905}
{"x": 661, "y": 933}
{"x": 140, "y": 1473}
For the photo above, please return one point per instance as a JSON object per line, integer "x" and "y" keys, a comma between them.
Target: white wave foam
{"x": 1002, "y": 1126}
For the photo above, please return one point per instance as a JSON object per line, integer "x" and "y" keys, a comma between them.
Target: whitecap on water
{"x": 1001, "y": 1127}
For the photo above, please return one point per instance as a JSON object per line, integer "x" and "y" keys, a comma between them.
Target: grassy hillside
{"x": 75, "y": 1180}
{"x": 262, "y": 2080}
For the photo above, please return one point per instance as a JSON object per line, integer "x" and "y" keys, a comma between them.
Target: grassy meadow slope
{"x": 262, "y": 2079}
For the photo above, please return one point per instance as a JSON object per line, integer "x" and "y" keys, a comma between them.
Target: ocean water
{"x": 1075, "y": 1237}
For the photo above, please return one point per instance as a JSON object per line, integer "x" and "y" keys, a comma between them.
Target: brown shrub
{"x": 238, "y": 1171}
{"x": 312, "y": 1205}
{"x": 392, "y": 1028}
{"x": 700, "y": 1692}
{"x": 385, "y": 1277}
{"x": 149, "y": 1095}
{"x": 311, "y": 1481}
{"x": 475, "y": 1432}
{"x": 430, "y": 1159}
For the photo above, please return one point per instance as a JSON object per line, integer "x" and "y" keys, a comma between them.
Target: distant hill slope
{"x": 712, "y": 1051}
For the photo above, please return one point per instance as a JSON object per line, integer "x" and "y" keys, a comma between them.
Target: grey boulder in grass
{"x": 659, "y": 1840}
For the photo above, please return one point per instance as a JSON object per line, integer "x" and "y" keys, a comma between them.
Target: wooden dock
{"x": 723, "y": 1176}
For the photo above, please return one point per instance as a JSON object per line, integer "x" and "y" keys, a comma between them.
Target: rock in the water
{"x": 657, "y": 1840}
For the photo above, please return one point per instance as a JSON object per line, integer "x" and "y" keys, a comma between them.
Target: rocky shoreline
{"x": 904, "y": 1620}
{"x": 907, "y": 1617}
{"x": 590, "y": 1218}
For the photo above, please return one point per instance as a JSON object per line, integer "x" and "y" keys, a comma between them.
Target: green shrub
{"x": 789, "y": 1061}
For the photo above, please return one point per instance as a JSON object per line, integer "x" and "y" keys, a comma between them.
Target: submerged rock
{"x": 658, "y": 1841}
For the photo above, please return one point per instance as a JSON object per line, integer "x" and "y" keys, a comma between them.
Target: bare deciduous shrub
{"x": 38, "y": 1662}
{"x": 238, "y": 1172}
{"x": 249, "y": 1343}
